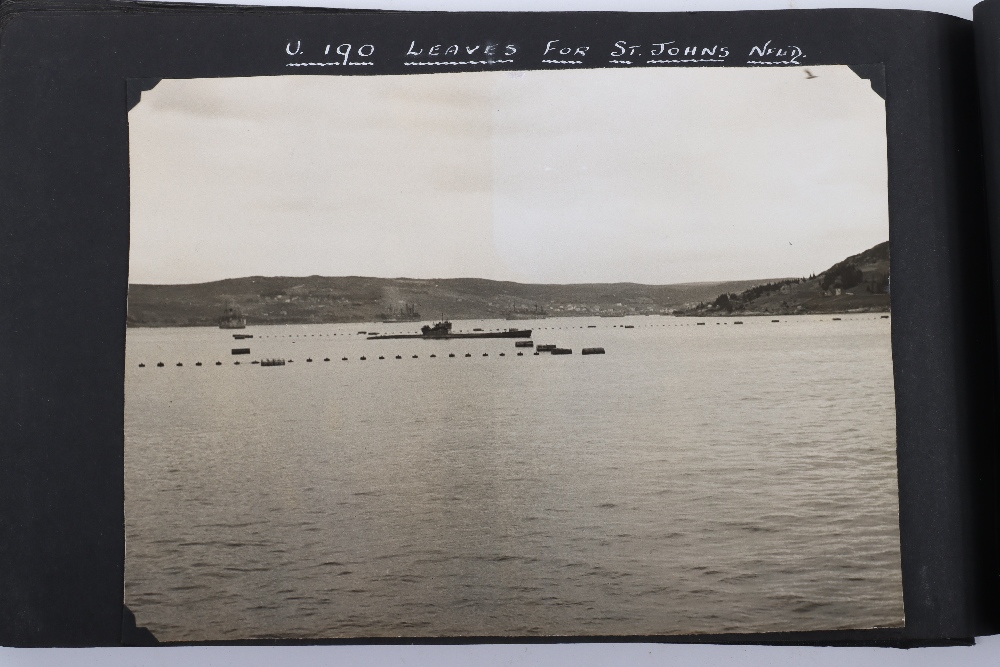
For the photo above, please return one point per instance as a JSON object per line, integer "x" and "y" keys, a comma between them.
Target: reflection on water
{"x": 713, "y": 478}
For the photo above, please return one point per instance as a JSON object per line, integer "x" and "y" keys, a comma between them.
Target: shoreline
{"x": 851, "y": 311}
{"x": 855, "y": 311}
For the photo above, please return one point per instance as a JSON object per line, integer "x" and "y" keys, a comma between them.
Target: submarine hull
{"x": 517, "y": 333}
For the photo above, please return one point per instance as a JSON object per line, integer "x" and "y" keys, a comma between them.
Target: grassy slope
{"x": 810, "y": 297}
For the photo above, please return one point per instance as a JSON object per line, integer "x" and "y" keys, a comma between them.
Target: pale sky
{"x": 649, "y": 175}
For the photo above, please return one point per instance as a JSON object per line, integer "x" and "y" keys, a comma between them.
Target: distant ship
{"x": 442, "y": 331}
{"x": 405, "y": 313}
{"x": 232, "y": 318}
{"x": 536, "y": 313}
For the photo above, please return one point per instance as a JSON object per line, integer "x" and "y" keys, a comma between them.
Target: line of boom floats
{"x": 551, "y": 349}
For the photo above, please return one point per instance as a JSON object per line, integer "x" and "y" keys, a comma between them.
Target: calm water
{"x": 716, "y": 478}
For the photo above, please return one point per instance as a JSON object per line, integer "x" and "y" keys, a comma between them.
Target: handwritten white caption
{"x": 555, "y": 52}
{"x": 344, "y": 51}
{"x": 486, "y": 53}
{"x": 625, "y": 53}
{"x": 775, "y": 55}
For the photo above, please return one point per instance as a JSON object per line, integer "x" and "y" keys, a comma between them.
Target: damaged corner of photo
{"x": 598, "y": 352}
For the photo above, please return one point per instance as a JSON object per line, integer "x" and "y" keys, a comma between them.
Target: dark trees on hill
{"x": 761, "y": 290}
{"x": 844, "y": 275}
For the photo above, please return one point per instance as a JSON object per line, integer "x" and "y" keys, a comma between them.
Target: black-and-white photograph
{"x": 593, "y": 352}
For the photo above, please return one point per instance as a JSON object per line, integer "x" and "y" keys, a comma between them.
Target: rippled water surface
{"x": 696, "y": 478}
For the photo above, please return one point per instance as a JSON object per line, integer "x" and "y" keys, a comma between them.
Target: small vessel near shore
{"x": 232, "y": 318}
{"x": 442, "y": 331}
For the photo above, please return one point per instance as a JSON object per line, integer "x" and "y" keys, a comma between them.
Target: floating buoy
{"x": 159, "y": 364}
{"x": 198, "y": 363}
{"x": 592, "y": 350}
{"x": 142, "y": 365}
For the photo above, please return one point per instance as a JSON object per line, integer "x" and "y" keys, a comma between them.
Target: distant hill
{"x": 288, "y": 300}
{"x": 859, "y": 283}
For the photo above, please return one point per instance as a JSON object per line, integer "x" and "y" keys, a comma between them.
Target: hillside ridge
{"x": 323, "y": 299}
{"x": 857, "y": 284}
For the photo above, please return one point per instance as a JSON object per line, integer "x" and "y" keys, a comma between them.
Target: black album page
{"x": 987, "y": 39}
{"x": 337, "y": 326}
